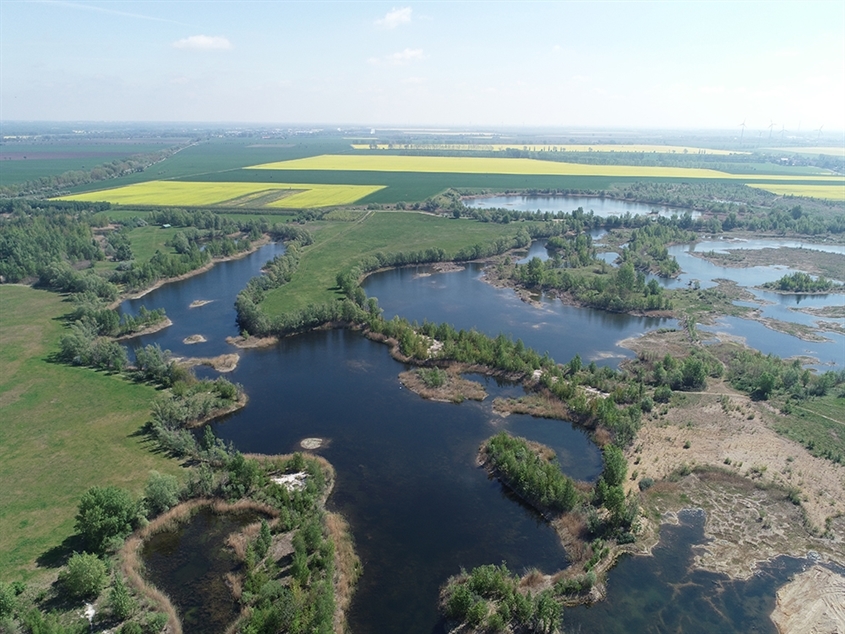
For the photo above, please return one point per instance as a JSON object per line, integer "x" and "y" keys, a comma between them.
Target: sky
{"x": 704, "y": 65}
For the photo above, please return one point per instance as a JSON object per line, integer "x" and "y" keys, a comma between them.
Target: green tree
{"x": 161, "y": 492}
{"x": 693, "y": 373}
{"x": 122, "y": 604}
{"x": 765, "y": 385}
{"x": 85, "y": 576}
{"x": 106, "y": 514}
{"x": 615, "y": 466}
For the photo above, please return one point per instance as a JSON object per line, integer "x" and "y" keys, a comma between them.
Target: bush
{"x": 662, "y": 394}
{"x": 121, "y": 602}
{"x": 106, "y": 514}
{"x": 7, "y": 600}
{"x": 646, "y": 483}
{"x": 131, "y": 628}
{"x": 161, "y": 492}
{"x": 85, "y": 576}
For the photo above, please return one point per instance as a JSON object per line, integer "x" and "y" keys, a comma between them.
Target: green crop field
{"x": 338, "y": 245}
{"x": 222, "y": 156}
{"x": 243, "y": 194}
{"x": 64, "y": 429}
{"x": 821, "y": 149}
{"x": 21, "y": 162}
{"x": 546, "y": 147}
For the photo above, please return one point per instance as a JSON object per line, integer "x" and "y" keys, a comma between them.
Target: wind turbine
{"x": 820, "y": 133}
{"x": 771, "y": 125}
{"x": 782, "y": 130}
{"x": 741, "y": 125}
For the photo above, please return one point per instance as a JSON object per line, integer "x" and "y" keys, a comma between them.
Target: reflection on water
{"x": 602, "y": 207}
{"x": 407, "y": 479}
{"x": 664, "y": 594}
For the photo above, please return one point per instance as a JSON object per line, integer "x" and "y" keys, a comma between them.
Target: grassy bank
{"x": 338, "y": 245}
{"x": 64, "y": 430}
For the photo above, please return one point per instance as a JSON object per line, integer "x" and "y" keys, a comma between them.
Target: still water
{"x": 603, "y": 207}
{"x": 419, "y": 507}
{"x": 190, "y": 565}
{"x": 828, "y": 354}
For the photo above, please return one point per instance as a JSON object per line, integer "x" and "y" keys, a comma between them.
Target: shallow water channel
{"x": 407, "y": 481}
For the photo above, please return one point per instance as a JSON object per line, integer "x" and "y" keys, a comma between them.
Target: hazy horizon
{"x": 501, "y": 66}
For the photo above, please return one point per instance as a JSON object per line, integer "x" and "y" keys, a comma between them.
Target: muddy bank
{"x": 252, "y": 342}
{"x": 221, "y": 363}
{"x": 831, "y": 265}
{"x": 453, "y": 389}
{"x": 194, "y": 339}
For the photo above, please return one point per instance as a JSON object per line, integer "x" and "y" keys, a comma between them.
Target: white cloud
{"x": 399, "y": 59}
{"x": 204, "y": 43}
{"x": 394, "y": 18}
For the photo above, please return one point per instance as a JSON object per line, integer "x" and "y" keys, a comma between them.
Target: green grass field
{"x": 818, "y": 424}
{"x": 221, "y": 157}
{"x": 62, "y": 430}
{"x": 338, "y": 245}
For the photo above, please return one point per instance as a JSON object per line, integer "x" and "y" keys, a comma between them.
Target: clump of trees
{"x": 802, "y": 283}
{"x": 538, "y": 481}
{"x": 489, "y": 598}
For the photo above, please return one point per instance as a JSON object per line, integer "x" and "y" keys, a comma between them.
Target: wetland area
{"x": 419, "y": 507}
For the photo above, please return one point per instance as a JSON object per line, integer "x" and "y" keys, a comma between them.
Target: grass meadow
{"x": 818, "y": 424}
{"x": 338, "y": 245}
{"x": 64, "y": 429}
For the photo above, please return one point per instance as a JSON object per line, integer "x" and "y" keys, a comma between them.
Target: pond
{"x": 190, "y": 564}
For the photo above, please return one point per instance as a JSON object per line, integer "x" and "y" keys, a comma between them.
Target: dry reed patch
{"x": 221, "y": 363}
{"x": 722, "y": 428}
{"x": 455, "y": 388}
{"x": 252, "y": 342}
{"x": 347, "y": 567}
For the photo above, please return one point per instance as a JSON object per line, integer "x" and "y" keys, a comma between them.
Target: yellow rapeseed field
{"x": 275, "y": 195}
{"x": 828, "y": 192}
{"x": 545, "y": 147}
{"x": 521, "y": 166}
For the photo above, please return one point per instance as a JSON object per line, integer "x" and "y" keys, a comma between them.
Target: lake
{"x": 419, "y": 507}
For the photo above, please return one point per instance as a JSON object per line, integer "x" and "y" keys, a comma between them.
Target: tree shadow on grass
{"x": 57, "y": 556}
